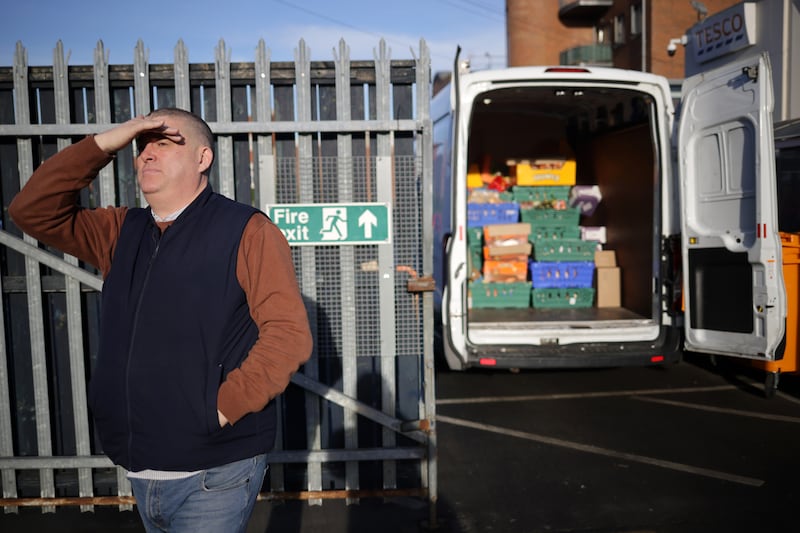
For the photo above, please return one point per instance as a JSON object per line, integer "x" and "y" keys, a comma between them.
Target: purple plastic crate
{"x": 562, "y": 274}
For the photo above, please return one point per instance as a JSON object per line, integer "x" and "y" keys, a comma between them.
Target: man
{"x": 202, "y": 321}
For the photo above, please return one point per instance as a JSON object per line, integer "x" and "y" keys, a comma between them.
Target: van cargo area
{"x": 579, "y": 168}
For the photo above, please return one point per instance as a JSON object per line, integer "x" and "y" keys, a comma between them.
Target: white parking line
{"x": 578, "y": 395}
{"x": 716, "y": 474}
{"x": 788, "y": 397}
{"x": 756, "y": 384}
{"x": 713, "y": 409}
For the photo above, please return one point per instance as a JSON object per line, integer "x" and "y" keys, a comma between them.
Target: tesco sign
{"x": 725, "y": 32}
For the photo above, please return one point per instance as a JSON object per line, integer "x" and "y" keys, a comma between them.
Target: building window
{"x": 636, "y": 19}
{"x": 619, "y": 29}
{"x": 602, "y": 34}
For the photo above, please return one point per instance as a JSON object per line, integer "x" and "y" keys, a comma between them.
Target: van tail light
{"x": 572, "y": 70}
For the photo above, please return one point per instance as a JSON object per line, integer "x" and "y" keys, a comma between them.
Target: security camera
{"x": 672, "y": 47}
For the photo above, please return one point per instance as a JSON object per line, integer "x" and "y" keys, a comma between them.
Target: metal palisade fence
{"x": 339, "y": 153}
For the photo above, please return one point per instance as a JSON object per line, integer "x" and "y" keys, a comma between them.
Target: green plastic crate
{"x": 475, "y": 236}
{"x": 551, "y": 217}
{"x": 564, "y": 250}
{"x": 544, "y": 193}
{"x": 475, "y": 260}
{"x": 562, "y": 298}
{"x": 499, "y": 295}
{"x": 551, "y": 233}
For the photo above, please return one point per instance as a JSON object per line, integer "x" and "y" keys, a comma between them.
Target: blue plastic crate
{"x": 565, "y": 274}
{"x": 482, "y": 195}
{"x": 485, "y": 214}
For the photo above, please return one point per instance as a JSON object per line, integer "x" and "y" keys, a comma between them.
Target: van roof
{"x": 565, "y": 72}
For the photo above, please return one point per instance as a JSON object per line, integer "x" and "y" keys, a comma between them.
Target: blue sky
{"x": 478, "y": 26}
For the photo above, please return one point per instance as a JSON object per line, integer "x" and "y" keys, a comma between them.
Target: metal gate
{"x": 358, "y": 418}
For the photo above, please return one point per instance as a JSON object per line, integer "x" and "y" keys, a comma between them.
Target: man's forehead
{"x": 147, "y": 137}
{"x": 151, "y": 136}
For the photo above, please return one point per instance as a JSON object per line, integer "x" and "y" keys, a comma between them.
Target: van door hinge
{"x": 751, "y": 72}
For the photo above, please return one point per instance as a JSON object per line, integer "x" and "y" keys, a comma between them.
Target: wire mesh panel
{"x": 358, "y": 417}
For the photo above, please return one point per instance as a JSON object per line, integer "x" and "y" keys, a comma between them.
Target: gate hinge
{"x": 423, "y": 284}
{"x": 423, "y": 425}
{"x": 415, "y": 282}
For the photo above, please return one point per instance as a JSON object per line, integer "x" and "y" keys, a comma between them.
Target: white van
{"x": 696, "y": 248}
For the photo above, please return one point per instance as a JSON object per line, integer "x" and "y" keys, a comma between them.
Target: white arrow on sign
{"x": 368, "y": 220}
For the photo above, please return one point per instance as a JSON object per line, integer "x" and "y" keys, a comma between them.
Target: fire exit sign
{"x": 333, "y": 224}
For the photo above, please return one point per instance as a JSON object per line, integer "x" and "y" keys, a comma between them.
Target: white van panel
{"x": 734, "y": 291}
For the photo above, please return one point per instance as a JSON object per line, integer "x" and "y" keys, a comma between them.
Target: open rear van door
{"x": 735, "y": 300}
{"x": 454, "y": 305}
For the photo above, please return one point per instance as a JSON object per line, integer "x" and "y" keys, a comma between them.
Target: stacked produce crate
{"x": 501, "y": 245}
{"x": 562, "y": 266}
{"x": 525, "y": 241}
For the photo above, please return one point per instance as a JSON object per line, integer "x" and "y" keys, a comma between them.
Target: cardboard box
{"x": 605, "y": 258}
{"x": 593, "y": 233}
{"x": 493, "y": 230}
{"x": 504, "y": 271}
{"x": 516, "y": 250}
{"x": 608, "y": 287}
{"x": 506, "y": 234}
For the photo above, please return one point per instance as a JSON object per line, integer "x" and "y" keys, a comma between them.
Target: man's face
{"x": 168, "y": 168}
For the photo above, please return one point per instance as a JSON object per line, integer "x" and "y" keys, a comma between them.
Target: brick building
{"x": 622, "y": 33}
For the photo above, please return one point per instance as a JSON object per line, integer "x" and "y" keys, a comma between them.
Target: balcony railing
{"x": 593, "y": 54}
{"x": 582, "y": 12}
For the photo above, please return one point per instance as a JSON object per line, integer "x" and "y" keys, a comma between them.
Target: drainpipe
{"x": 644, "y": 35}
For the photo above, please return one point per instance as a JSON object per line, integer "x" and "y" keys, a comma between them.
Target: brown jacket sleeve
{"x": 47, "y": 206}
{"x": 266, "y": 273}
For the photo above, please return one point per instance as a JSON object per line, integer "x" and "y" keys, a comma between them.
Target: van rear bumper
{"x": 664, "y": 350}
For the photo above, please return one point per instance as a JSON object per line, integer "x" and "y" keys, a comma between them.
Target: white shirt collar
{"x": 168, "y": 218}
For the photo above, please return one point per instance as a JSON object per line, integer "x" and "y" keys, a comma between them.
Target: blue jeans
{"x": 215, "y": 500}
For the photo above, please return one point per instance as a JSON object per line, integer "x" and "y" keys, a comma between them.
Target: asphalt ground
{"x": 691, "y": 447}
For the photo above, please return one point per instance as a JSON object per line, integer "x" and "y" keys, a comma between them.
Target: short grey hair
{"x": 199, "y": 125}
